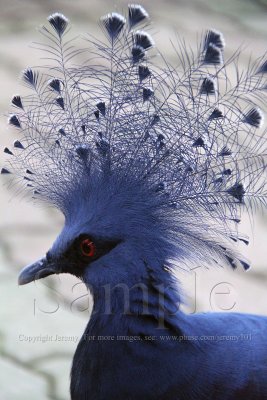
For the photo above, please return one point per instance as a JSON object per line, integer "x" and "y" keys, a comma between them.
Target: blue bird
{"x": 151, "y": 165}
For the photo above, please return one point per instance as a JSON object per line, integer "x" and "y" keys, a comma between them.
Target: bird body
{"x": 203, "y": 356}
{"x": 151, "y": 166}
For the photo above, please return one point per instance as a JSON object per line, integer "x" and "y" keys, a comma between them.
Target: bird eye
{"x": 88, "y": 248}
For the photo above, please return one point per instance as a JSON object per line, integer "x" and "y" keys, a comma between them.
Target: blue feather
{"x": 143, "y": 72}
{"x": 17, "y": 144}
{"x": 60, "y": 102}
{"x": 138, "y": 53}
{"x": 237, "y": 191}
{"x": 59, "y": 23}
{"x": 137, "y": 14}
{"x": 30, "y": 77}
{"x": 5, "y": 171}
{"x": 213, "y": 55}
{"x": 143, "y": 39}
{"x": 13, "y": 120}
{"x": 147, "y": 93}
{"x": 207, "y": 86}
{"x": 55, "y": 84}
{"x": 254, "y": 117}
{"x": 215, "y": 38}
{"x": 263, "y": 68}
{"x": 113, "y": 23}
{"x": 216, "y": 113}
{"x": 7, "y": 151}
{"x": 16, "y": 101}
{"x": 101, "y": 107}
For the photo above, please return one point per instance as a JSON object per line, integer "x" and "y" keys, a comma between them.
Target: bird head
{"x": 112, "y": 226}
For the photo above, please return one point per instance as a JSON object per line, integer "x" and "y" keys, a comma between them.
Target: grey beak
{"x": 40, "y": 269}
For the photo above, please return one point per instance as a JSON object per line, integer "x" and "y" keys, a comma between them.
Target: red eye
{"x": 88, "y": 248}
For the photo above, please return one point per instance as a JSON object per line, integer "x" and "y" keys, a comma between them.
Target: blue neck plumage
{"x": 153, "y": 297}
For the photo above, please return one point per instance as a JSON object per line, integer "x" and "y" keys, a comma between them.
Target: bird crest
{"x": 126, "y": 136}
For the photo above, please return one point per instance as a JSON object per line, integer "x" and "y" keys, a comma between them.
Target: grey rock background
{"x": 40, "y": 323}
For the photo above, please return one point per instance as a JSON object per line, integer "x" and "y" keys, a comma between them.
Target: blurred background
{"x": 41, "y": 323}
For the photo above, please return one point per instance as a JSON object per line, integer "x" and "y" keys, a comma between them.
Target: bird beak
{"x": 40, "y": 269}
